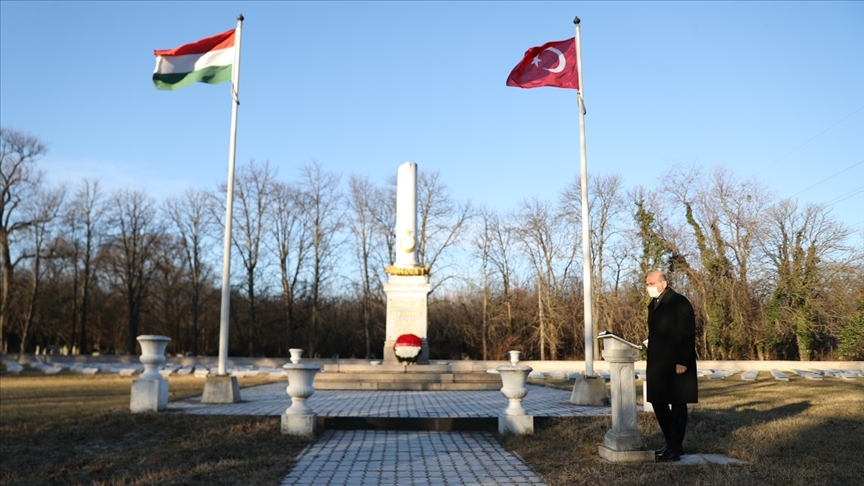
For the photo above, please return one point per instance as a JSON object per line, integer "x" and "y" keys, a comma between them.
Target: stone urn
{"x": 514, "y": 379}
{"x": 296, "y": 355}
{"x": 300, "y": 379}
{"x": 152, "y": 355}
{"x": 514, "y": 357}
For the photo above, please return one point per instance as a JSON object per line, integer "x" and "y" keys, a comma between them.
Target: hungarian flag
{"x": 552, "y": 64}
{"x": 207, "y": 60}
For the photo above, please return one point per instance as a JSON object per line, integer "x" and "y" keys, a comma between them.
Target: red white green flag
{"x": 207, "y": 61}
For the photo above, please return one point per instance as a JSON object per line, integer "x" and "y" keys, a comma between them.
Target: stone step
{"x": 406, "y": 386}
{"x": 408, "y": 377}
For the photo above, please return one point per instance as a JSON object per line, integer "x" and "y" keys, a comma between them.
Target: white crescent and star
{"x": 562, "y": 61}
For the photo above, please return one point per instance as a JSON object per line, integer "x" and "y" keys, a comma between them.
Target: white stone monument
{"x": 408, "y": 284}
{"x": 623, "y": 442}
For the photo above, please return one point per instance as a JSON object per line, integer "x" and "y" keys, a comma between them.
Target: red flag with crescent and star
{"x": 552, "y": 64}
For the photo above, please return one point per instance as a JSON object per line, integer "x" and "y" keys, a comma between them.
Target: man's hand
{"x": 680, "y": 369}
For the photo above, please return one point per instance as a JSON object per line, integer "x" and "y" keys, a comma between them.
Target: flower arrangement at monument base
{"x": 407, "y": 348}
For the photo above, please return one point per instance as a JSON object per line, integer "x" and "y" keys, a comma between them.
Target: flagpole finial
{"x": 576, "y": 21}
{"x": 240, "y": 18}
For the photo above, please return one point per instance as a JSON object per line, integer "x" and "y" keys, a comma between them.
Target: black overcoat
{"x": 672, "y": 341}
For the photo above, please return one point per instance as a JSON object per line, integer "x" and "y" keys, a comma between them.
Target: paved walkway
{"x": 272, "y": 400}
{"x": 382, "y": 457}
{"x": 390, "y": 457}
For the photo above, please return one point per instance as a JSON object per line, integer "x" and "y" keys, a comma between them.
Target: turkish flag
{"x": 552, "y": 64}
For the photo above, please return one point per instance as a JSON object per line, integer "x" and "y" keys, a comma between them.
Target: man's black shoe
{"x": 661, "y": 451}
{"x": 669, "y": 456}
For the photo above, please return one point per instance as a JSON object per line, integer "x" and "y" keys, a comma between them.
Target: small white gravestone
{"x": 623, "y": 442}
{"x": 150, "y": 390}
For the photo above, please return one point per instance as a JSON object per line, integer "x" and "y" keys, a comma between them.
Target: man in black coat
{"x": 671, "y": 373}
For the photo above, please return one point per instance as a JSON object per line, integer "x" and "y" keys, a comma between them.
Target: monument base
{"x": 301, "y": 425}
{"x": 589, "y": 391}
{"x": 516, "y": 424}
{"x": 149, "y": 396}
{"x": 221, "y": 389}
{"x": 612, "y": 455}
{"x": 625, "y": 440}
{"x": 391, "y": 359}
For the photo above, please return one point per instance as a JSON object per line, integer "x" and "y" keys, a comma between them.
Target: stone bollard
{"x": 623, "y": 442}
{"x": 296, "y": 355}
{"x": 150, "y": 390}
{"x": 514, "y": 419}
{"x": 299, "y": 419}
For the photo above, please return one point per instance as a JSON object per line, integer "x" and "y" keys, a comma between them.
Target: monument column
{"x": 407, "y": 286}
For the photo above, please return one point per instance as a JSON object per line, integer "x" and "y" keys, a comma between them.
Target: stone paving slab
{"x": 382, "y": 457}
{"x": 697, "y": 459}
{"x": 272, "y": 400}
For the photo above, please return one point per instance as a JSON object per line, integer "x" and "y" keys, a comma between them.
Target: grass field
{"x": 77, "y": 429}
{"x": 796, "y": 433}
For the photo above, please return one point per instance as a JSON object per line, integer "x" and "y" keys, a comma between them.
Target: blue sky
{"x": 768, "y": 89}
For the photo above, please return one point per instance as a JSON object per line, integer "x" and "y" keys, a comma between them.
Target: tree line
{"x": 89, "y": 269}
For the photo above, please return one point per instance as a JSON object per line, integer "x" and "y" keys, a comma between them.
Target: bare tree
{"x": 195, "y": 230}
{"x": 322, "y": 201}
{"x": 502, "y": 242}
{"x": 254, "y": 195}
{"x": 441, "y": 221}
{"x": 548, "y": 243}
{"x": 798, "y": 245}
{"x": 84, "y": 219}
{"x": 47, "y": 206}
{"x": 133, "y": 252}
{"x": 605, "y": 205}
{"x": 292, "y": 245}
{"x": 19, "y": 183}
{"x": 362, "y": 202}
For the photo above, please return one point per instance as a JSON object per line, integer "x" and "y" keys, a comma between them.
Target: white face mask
{"x": 652, "y": 292}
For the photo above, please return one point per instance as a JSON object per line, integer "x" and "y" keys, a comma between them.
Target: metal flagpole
{"x": 226, "y": 258}
{"x": 586, "y": 226}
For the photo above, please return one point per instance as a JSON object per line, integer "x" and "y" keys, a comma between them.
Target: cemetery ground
{"x": 77, "y": 429}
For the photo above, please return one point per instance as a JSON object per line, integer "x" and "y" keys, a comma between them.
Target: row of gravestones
{"x": 202, "y": 371}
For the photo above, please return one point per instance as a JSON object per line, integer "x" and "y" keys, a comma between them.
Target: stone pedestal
{"x": 150, "y": 390}
{"x": 406, "y": 313}
{"x": 299, "y": 418}
{"x": 221, "y": 389}
{"x": 149, "y": 396}
{"x": 589, "y": 391}
{"x": 623, "y": 442}
{"x": 515, "y": 420}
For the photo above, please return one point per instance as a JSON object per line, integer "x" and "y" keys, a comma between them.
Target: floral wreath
{"x": 407, "y": 348}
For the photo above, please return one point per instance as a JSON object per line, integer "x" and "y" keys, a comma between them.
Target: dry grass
{"x": 76, "y": 429}
{"x": 792, "y": 434}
